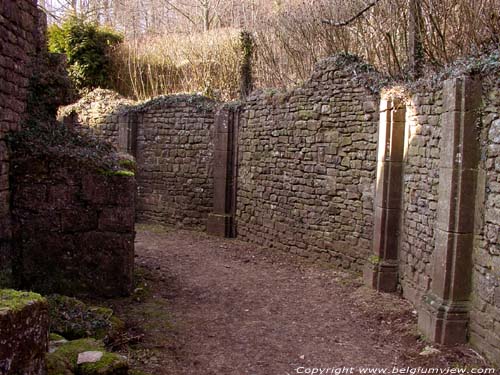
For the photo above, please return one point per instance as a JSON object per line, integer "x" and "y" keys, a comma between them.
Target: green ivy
{"x": 85, "y": 45}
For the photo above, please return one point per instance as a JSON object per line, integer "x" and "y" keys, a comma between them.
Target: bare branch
{"x": 353, "y": 18}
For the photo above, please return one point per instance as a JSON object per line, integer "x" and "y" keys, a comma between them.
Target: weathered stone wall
{"x": 307, "y": 165}
{"x": 18, "y": 29}
{"x": 172, "y": 140}
{"x": 420, "y": 193}
{"x": 485, "y": 313}
{"x": 73, "y": 227}
{"x": 174, "y": 160}
{"x": 97, "y": 113}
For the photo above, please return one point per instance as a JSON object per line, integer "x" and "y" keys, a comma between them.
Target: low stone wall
{"x": 307, "y": 164}
{"x": 24, "y": 333}
{"x": 97, "y": 113}
{"x": 73, "y": 228}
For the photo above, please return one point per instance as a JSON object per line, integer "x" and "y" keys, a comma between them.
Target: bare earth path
{"x": 218, "y": 306}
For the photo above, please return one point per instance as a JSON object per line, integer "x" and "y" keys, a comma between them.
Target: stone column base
{"x": 382, "y": 276}
{"x": 443, "y": 322}
{"x": 220, "y": 225}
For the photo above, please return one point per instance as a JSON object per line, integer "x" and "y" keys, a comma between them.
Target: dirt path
{"x": 217, "y": 306}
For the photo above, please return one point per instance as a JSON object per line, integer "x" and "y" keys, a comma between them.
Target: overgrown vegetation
{"x": 192, "y": 45}
{"x": 208, "y": 63}
{"x": 86, "y": 46}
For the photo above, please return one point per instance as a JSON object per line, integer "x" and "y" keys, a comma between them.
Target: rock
{"x": 108, "y": 364}
{"x": 73, "y": 319}
{"x": 85, "y": 357}
{"x": 63, "y": 360}
{"x": 24, "y": 323}
{"x": 429, "y": 350}
{"x": 89, "y": 357}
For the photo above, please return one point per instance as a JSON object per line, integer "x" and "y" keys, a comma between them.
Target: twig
{"x": 356, "y": 16}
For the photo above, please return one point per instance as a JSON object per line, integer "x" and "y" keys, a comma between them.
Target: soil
{"x": 207, "y": 305}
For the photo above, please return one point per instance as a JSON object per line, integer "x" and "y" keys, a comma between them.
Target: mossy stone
{"x": 74, "y": 319}
{"x": 109, "y": 364}
{"x": 63, "y": 360}
{"x": 16, "y": 300}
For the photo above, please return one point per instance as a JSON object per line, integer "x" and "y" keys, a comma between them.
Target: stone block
{"x": 220, "y": 225}
{"x": 443, "y": 322}
{"x": 24, "y": 320}
{"x": 459, "y": 140}
{"x": 452, "y": 265}
{"x": 462, "y": 94}
{"x": 456, "y": 203}
{"x": 391, "y": 141}
{"x": 386, "y": 233}
{"x": 117, "y": 219}
{"x": 389, "y": 184}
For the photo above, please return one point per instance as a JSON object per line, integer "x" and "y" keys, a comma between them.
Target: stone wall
{"x": 18, "y": 38}
{"x": 97, "y": 113}
{"x": 307, "y": 164}
{"x": 174, "y": 160}
{"x": 172, "y": 140}
{"x": 485, "y": 313}
{"x": 298, "y": 170}
{"x": 73, "y": 227}
{"x": 420, "y": 192}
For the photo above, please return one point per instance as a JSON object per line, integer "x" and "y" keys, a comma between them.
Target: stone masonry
{"x": 18, "y": 29}
{"x": 298, "y": 170}
{"x": 484, "y": 327}
{"x": 73, "y": 228}
{"x": 420, "y": 193}
{"x": 172, "y": 140}
{"x": 307, "y": 165}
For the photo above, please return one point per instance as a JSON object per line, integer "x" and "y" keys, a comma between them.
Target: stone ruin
{"x": 401, "y": 183}
{"x": 67, "y": 203}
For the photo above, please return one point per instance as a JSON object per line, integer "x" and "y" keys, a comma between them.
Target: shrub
{"x": 86, "y": 47}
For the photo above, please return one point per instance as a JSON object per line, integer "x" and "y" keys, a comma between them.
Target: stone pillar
{"x": 381, "y": 270}
{"x": 443, "y": 316}
{"x": 221, "y": 220}
{"x": 127, "y": 133}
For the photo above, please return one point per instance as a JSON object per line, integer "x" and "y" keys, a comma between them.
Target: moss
{"x": 120, "y": 172}
{"x": 55, "y": 337}
{"x": 74, "y": 319}
{"x": 63, "y": 360}
{"x": 15, "y": 300}
{"x": 128, "y": 164}
{"x": 110, "y": 363}
{"x": 374, "y": 259}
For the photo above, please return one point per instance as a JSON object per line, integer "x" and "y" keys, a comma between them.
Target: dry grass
{"x": 207, "y": 63}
